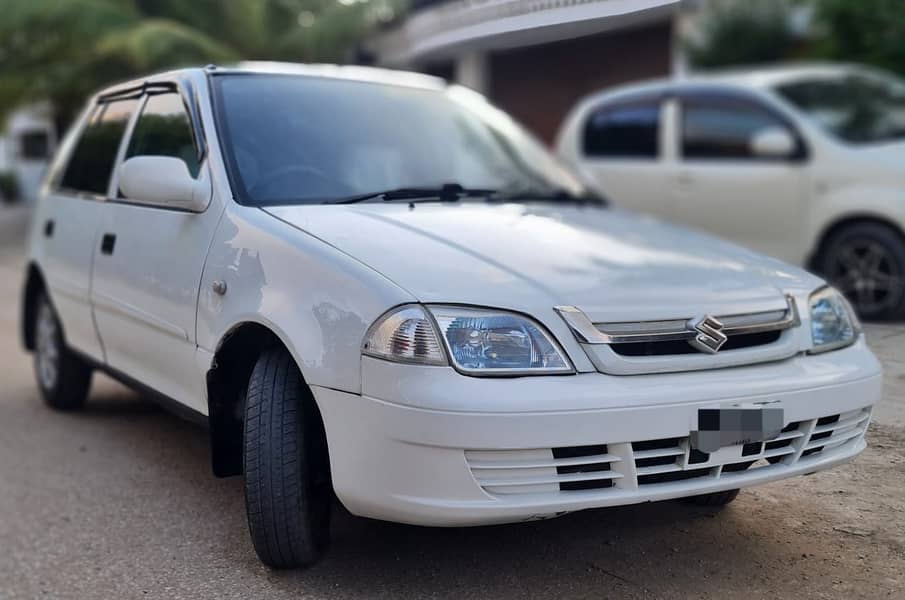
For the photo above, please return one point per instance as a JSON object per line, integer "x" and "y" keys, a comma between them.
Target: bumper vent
{"x": 634, "y": 465}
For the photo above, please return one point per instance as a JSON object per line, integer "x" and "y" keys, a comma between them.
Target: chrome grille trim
{"x": 588, "y": 332}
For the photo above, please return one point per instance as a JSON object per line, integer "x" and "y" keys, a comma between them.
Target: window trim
{"x": 97, "y": 112}
{"x": 802, "y": 153}
{"x": 157, "y": 89}
{"x": 615, "y": 103}
{"x": 190, "y": 99}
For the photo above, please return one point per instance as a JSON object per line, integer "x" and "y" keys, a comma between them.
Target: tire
{"x": 288, "y": 491}
{"x": 64, "y": 378}
{"x": 866, "y": 262}
{"x": 714, "y": 499}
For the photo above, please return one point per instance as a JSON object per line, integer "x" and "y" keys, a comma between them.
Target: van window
{"x": 625, "y": 130}
{"x": 92, "y": 160}
{"x": 35, "y": 145}
{"x": 164, "y": 129}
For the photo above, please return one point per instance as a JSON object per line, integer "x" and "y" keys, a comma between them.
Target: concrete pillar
{"x": 472, "y": 69}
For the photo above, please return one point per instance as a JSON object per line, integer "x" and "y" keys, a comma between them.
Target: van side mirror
{"x": 163, "y": 181}
{"x": 773, "y": 142}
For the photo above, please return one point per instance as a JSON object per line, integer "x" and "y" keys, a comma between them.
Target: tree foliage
{"x": 63, "y": 50}
{"x": 745, "y": 32}
{"x": 865, "y": 31}
{"x": 742, "y": 33}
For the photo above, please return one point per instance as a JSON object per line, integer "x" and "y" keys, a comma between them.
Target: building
{"x": 27, "y": 142}
{"x": 534, "y": 58}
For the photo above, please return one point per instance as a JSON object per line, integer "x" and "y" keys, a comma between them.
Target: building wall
{"x": 539, "y": 84}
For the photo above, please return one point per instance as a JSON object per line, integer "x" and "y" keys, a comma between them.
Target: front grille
{"x": 630, "y": 465}
{"x": 674, "y": 347}
{"x": 688, "y": 342}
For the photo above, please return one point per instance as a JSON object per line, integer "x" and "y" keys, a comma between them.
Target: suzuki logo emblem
{"x": 709, "y": 335}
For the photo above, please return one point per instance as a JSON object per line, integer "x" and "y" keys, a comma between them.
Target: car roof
{"x": 752, "y": 77}
{"x": 331, "y": 71}
{"x": 763, "y": 77}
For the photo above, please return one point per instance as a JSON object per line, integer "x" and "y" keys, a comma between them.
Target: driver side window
{"x": 164, "y": 129}
{"x": 722, "y": 127}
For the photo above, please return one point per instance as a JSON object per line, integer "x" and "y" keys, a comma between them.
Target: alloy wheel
{"x": 868, "y": 274}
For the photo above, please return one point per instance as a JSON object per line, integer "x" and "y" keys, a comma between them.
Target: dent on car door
{"x": 149, "y": 264}
{"x": 74, "y": 209}
{"x": 621, "y": 148}
{"x": 729, "y": 184}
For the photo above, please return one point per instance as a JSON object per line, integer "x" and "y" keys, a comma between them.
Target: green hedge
{"x": 9, "y": 187}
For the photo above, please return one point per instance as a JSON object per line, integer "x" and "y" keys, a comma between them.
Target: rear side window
{"x": 92, "y": 160}
{"x": 718, "y": 127}
{"x": 625, "y": 130}
{"x": 164, "y": 129}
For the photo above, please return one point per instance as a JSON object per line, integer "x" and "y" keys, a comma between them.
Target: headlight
{"x": 478, "y": 341}
{"x": 492, "y": 342}
{"x": 833, "y": 322}
{"x": 405, "y": 334}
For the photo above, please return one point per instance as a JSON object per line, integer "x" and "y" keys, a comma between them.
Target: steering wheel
{"x": 279, "y": 179}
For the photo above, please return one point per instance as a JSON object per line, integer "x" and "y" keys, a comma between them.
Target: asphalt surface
{"x": 118, "y": 502}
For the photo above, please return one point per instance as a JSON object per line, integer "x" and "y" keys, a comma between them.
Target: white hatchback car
{"x": 377, "y": 285}
{"x": 806, "y": 164}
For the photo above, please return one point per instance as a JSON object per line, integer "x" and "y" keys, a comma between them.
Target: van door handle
{"x": 48, "y": 228}
{"x": 108, "y": 243}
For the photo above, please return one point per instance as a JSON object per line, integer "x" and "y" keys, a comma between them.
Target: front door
{"x": 722, "y": 187}
{"x": 149, "y": 263}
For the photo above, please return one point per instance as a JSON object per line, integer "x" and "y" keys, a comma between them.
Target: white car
{"x": 805, "y": 163}
{"x": 377, "y": 285}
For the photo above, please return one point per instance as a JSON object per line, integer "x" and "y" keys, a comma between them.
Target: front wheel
{"x": 866, "y": 262}
{"x": 63, "y": 377}
{"x": 287, "y": 479}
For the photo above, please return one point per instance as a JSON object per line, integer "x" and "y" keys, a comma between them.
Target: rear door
{"x": 722, "y": 187}
{"x": 621, "y": 145}
{"x": 149, "y": 263}
{"x": 70, "y": 217}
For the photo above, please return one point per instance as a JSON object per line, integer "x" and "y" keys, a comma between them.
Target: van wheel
{"x": 287, "y": 479}
{"x": 714, "y": 499}
{"x": 866, "y": 262}
{"x": 63, "y": 377}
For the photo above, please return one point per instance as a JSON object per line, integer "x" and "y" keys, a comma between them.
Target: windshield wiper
{"x": 448, "y": 192}
{"x": 554, "y": 195}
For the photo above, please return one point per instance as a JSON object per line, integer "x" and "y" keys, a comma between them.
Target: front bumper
{"x": 427, "y": 446}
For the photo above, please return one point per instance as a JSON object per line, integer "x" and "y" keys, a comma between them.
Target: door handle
{"x": 48, "y": 228}
{"x": 108, "y": 243}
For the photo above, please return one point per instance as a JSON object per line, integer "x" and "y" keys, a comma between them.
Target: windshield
{"x": 859, "y": 109}
{"x": 293, "y": 139}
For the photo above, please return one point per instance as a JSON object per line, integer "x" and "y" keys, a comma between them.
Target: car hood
{"x": 612, "y": 264}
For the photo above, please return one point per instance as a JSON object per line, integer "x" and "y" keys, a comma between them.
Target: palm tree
{"x": 62, "y": 50}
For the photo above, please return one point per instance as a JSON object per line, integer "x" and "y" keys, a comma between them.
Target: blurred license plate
{"x": 721, "y": 427}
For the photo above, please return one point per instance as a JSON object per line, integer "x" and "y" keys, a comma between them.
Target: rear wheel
{"x": 287, "y": 479}
{"x": 63, "y": 377}
{"x": 714, "y": 499}
{"x": 866, "y": 262}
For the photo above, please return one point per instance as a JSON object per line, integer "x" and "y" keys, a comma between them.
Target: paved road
{"x": 118, "y": 502}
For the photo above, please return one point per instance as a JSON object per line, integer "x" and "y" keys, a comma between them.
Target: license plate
{"x": 721, "y": 427}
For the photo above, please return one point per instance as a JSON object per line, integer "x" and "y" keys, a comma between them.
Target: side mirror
{"x": 163, "y": 181}
{"x": 773, "y": 142}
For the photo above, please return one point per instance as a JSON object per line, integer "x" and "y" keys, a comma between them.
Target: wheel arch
{"x": 847, "y": 220}
{"x": 35, "y": 285}
{"x": 227, "y": 380}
